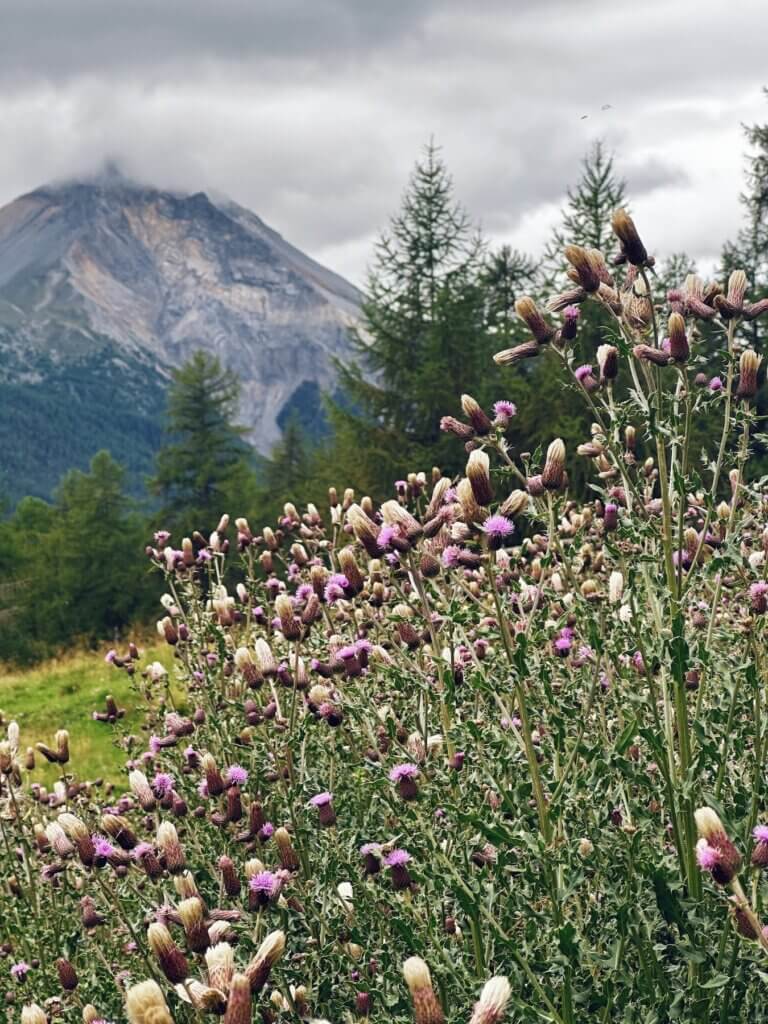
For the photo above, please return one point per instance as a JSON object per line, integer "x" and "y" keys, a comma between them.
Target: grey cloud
{"x": 311, "y": 112}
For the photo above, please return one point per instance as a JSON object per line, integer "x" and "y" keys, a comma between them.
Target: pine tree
{"x": 586, "y": 219}
{"x": 79, "y": 569}
{"x": 206, "y": 461}
{"x": 424, "y": 339}
{"x": 508, "y": 274}
{"x": 749, "y": 252}
{"x": 286, "y": 474}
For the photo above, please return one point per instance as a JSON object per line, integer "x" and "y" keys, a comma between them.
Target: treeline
{"x": 439, "y": 303}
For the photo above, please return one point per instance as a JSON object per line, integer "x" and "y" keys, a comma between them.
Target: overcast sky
{"x": 311, "y": 112}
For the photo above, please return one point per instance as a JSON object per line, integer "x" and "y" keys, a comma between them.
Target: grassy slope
{"x": 61, "y": 694}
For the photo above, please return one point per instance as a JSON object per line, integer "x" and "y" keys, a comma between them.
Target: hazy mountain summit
{"x": 107, "y": 283}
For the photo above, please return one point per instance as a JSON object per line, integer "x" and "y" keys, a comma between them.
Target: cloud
{"x": 311, "y": 112}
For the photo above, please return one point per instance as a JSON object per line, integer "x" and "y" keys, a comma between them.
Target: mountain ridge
{"x": 141, "y": 277}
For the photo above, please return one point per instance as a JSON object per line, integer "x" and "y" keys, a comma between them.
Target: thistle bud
{"x": 172, "y": 961}
{"x": 450, "y": 425}
{"x": 141, "y": 789}
{"x": 648, "y": 354}
{"x": 213, "y": 779}
{"x": 553, "y": 474}
{"x": 67, "y": 975}
{"x": 229, "y": 878}
{"x": 31, "y": 1013}
{"x": 608, "y": 362}
{"x": 477, "y": 417}
{"x": 426, "y": 1008}
{"x": 528, "y": 311}
{"x": 349, "y": 567}
{"x": 615, "y": 587}
{"x": 737, "y": 286}
{"x": 287, "y": 854}
{"x": 169, "y": 846}
{"x": 678, "y": 340}
{"x": 631, "y": 246}
{"x": 492, "y": 1003}
{"x": 145, "y": 1004}
{"x": 269, "y": 952}
{"x": 479, "y": 476}
{"x": 584, "y": 264}
{"x": 192, "y": 918}
{"x": 508, "y": 356}
{"x": 364, "y": 529}
{"x": 714, "y": 851}
{"x": 289, "y": 624}
{"x": 79, "y": 834}
{"x": 239, "y": 1002}
{"x": 514, "y": 504}
{"x": 749, "y": 364}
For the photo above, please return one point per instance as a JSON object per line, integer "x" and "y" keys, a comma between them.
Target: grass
{"x": 61, "y": 694}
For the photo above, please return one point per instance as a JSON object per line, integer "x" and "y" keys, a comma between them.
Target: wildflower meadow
{"x": 486, "y": 751}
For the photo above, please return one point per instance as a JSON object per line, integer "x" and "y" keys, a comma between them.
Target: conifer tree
{"x": 586, "y": 219}
{"x": 423, "y": 340}
{"x": 508, "y": 274}
{"x": 79, "y": 569}
{"x": 749, "y": 252}
{"x": 286, "y": 474}
{"x": 206, "y": 460}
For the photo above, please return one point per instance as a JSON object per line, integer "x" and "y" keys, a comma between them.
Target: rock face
{"x": 105, "y": 285}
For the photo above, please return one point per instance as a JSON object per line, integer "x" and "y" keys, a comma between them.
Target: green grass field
{"x": 61, "y": 694}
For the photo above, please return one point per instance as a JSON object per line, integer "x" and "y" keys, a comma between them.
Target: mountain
{"x": 107, "y": 284}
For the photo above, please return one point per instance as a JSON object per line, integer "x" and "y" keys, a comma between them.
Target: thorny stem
{"x": 530, "y": 750}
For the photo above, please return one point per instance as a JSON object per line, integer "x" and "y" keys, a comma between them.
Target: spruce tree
{"x": 586, "y": 219}
{"x": 286, "y": 473}
{"x": 508, "y": 274}
{"x": 749, "y": 252}
{"x": 79, "y": 570}
{"x": 423, "y": 340}
{"x": 206, "y": 460}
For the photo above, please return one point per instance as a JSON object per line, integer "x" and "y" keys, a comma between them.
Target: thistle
{"x": 145, "y": 1004}
{"x": 426, "y": 1008}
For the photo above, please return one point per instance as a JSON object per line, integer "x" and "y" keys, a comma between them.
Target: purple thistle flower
{"x": 333, "y": 593}
{"x": 571, "y": 312}
{"x": 141, "y": 850}
{"x": 562, "y": 645}
{"x": 583, "y": 371}
{"x": 707, "y": 856}
{"x": 236, "y": 775}
{"x": 20, "y": 970}
{"x": 504, "y": 410}
{"x": 322, "y": 799}
{"x": 163, "y": 783}
{"x": 497, "y": 529}
{"x": 450, "y": 557}
{"x": 266, "y": 831}
{"x": 110, "y": 656}
{"x": 386, "y": 536}
{"x": 715, "y": 384}
{"x": 403, "y": 771}
{"x": 266, "y": 883}
{"x": 370, "y": 849}
{"x": 760, "y": 833}
{"x": 397, "y": 858}
{"x": 102, "y": 847}
{"x": 758, "y": 596}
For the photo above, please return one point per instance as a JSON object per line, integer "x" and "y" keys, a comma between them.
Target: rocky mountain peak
{"x": 108, "y": 270}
